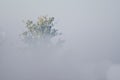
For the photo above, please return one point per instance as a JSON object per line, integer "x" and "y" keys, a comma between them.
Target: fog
{"x": 91, "y": 30}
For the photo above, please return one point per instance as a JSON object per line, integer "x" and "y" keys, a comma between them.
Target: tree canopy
{"x": 40, "y": 32}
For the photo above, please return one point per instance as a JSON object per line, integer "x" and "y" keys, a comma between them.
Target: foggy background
{"x": 91, "y": 29}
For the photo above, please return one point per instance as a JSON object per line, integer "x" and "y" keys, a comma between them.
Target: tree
{"x": 41, "y": 32}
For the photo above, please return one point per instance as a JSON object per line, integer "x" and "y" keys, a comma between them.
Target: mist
{"x": 91, "y": 31}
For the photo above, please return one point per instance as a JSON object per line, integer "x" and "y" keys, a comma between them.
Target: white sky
{"x": 88, "y": 25}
